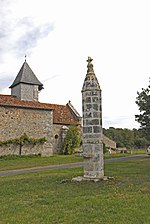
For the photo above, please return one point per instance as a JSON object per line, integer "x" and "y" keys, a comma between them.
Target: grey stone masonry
{"x": 36, "y": 123}
{"x": 92, "y": 126}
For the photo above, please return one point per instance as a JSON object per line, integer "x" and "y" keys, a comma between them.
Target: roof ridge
{"x": 7, "y": 95}
{"x": 61, "y": 114}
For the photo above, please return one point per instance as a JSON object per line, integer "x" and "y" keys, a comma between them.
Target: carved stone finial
{"x": 90, "y": 65}
{"x": 89, "y": 59}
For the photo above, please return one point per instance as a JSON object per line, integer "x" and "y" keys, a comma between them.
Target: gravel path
{"x": 64, "y": 166}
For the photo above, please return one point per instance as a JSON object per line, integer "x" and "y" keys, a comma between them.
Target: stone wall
{"x": 57, "y": 138}
{"x": 16, "y": 91}
{"x": 59, "y": 131}
{"x": 25, "y": 92}
{"x": 36, "y": 123}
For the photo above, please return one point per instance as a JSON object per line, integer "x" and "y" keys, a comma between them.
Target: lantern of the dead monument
{"x": 92, "y": 126}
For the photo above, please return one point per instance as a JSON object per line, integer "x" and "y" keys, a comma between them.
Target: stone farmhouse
{"x": 21, "y": 112}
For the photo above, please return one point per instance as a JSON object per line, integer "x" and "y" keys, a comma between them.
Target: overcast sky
{"x": 58, "y": 36}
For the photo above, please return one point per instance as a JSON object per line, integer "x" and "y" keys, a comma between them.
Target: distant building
{"x": 109, "y": 143}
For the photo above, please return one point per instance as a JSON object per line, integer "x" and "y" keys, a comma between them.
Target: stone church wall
{"x": 59, "y": 131}
{"x": 35, "y": 123}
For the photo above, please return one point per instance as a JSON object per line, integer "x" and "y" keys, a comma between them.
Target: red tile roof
{"x": 61, "y": 113}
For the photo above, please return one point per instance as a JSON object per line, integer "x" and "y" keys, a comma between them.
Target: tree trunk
{"x": 20, "y": 149}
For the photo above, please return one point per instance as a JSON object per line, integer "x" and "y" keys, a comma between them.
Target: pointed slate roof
{"x": 26, "y": 76}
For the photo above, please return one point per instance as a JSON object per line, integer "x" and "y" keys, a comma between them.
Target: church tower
{"x": 26, "y": 86}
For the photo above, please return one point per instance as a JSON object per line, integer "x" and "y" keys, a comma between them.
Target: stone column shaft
{"x": 92, "y": 126}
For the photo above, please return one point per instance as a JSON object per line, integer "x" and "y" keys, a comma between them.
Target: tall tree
{"x": 126, "y": 137}
{"x": 143, "y": 102}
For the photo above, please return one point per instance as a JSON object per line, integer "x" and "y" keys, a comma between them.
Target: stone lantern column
{"x": 92, "y": 126}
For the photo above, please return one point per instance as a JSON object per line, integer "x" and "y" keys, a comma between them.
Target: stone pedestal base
{"x": 80, "y": 179}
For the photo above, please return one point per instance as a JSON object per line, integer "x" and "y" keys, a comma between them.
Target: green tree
{"x": 143, "y": 102}
{"x": 126, "y": 137}
{"x": 71, "y": 140}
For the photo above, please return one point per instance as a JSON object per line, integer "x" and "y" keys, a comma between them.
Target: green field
{"x": 18, "y": 162}
{"x": 50, "y": 197}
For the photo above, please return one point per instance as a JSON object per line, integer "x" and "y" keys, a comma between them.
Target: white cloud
{"x": 114, "y": 33}
{"x": 29, "y": 39}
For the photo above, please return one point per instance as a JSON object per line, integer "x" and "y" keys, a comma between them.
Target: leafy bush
{"x": 71, "y": 140}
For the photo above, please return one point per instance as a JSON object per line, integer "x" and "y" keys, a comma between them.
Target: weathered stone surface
{"x": 88, "y": 100}
{"x": 80, "y": 179}
{"x": 91, "y": 141}
{"x": 87, "y": 114}
{"x": 35, "y": 123}
{"x": 92, "y": 126}
{"x": 87, "y": 129}
{"x": 95, "y": 107}
{"x": 92, "y": 121}
{"x": 96, "y": 129}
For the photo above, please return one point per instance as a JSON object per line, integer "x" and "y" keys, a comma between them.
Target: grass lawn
{"x": 50, "y": 197}
{"x": 19, "y": 162}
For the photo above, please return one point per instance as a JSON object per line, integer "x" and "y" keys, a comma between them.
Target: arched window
{"x": 56, "y": 137}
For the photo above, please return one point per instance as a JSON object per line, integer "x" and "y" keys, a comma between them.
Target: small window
{"x": 56, "y": 136}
